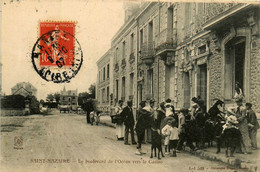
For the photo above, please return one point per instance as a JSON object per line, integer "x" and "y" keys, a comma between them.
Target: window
{"x": 104, "y": 73}
{"x": 116, "y": 55}
{"x": 123, "y": 50}
{"x": 141, "y": 37}
{"x": 234, "y": 66}
{"x": 107, "y": 70}
{"x": 132, "y": 84}
{"x": 103, "y": 95}
{"x": 187, "y": 55}
{"x": 117, "y": 90}
{"x": 202, "y": 49}
{"x": 150, "y": 82}
{"x": 123, "y": 87}
{"x": 132, "y": 43}
{"x": 170, "y": 18}
{"x": 150, "y": 32}
{"x": 107, "y": 94}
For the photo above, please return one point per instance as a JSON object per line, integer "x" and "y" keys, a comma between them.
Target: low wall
{"x": 12, "y": 112}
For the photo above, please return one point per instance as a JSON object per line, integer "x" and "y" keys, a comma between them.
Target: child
{"x": 172, "y": 132}
{"x": 166, "y": 133}
{"x": 169, "y": 108}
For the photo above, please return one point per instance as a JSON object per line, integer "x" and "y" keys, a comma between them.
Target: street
{"x": 64, "y": 142}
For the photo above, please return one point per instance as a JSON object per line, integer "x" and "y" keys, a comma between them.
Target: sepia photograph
{"x": 129, "y": 85}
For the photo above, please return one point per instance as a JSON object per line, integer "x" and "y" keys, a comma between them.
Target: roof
{"x": 26, "y": 85}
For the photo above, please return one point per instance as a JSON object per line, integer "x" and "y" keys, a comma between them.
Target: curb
{"x": 234, "y": 162}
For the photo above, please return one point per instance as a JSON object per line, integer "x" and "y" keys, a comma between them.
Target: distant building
{"x": 25, "y": 89}
{"x": 104, "y": 85}
{"x": 69, "y": 97}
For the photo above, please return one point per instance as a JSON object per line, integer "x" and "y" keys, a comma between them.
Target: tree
{"x": 57, "y": 97}
{"x": 92, "y": 91}
{"x": 50, "y": 97}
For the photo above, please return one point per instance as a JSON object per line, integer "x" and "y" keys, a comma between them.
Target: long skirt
{"x": 245, "y": 140}
{"x": 120, "y": 131}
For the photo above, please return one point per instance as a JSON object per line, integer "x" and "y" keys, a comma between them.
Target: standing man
{"x": 252, "y": 125}
{"x": 129, "y": 122}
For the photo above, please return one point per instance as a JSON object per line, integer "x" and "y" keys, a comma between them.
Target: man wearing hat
{"x": 129, "y": 122}
{"x": 242, "y": 125}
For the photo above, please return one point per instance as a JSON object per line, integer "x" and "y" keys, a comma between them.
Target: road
{"x": 64, "y": 142}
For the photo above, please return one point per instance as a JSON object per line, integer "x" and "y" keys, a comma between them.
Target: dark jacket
{"x": 143, "y": 120}
{"x": 252, "y": 119}
{"x": 128, "y": 116}
{"x": 160, "y": 118}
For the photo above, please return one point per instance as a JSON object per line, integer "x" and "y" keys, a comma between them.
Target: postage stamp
{"x": 57, "y": 55}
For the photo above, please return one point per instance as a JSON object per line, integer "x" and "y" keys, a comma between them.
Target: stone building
{"x": 24, "y": 88}
{"x": 69, "y": 97}
{"x": 104, "y": 83}
{"x": 217, "y": 46}
{"x": 184, "y": 50}
{"x": 124, "y": 47}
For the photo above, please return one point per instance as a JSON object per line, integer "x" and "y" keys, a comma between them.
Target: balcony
{"x": 116, "y": 68}
{"x": 165, "y": 41}
{"x": 218, "y": 12}
{"x": 123, "y": 63}
{"x": 147, "y": 52}
{"x": 132, "y": 57}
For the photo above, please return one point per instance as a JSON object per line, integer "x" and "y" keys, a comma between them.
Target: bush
{"x": 13, "y": 101}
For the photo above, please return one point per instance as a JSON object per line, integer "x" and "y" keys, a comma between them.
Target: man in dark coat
{"x": 253, "y": 125}
{"x": 129, "y": 122}
{"x": 143, "y": 122}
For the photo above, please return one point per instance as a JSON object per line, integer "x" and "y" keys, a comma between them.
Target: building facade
{"x": 104, "y": 84}
{"x": 184, "y": 50}
{"x": 69, "y": 97}
{"x": 25, "y": 89}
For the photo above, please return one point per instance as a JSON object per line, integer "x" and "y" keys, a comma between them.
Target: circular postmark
{"x": 57, "y": 56}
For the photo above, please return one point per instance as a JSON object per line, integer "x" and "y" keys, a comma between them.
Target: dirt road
{"x": 64, "y": 142}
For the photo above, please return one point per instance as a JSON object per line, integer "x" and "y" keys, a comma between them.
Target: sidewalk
{"x": 249, "y": 161}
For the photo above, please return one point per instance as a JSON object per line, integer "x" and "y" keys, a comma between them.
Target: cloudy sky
{"x": 97, "y": 22}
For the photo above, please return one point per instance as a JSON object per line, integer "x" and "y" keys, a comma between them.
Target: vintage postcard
{"x": 116, "y": 85}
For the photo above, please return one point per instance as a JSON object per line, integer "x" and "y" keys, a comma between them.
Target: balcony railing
{"x": 214, "y": 9}
{"x": 166, "y": 39}
{"x": 132, "y": 57}
{"x": 147, "y": 52}
{"x": 116, "y": 68}
{"x": 123, "y": 63}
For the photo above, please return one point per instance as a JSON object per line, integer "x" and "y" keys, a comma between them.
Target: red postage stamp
{"x": 60, "y": 44}
{"x": 57, "y": 55}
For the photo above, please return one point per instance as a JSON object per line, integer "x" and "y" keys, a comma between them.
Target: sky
{"x": 97, "y": 22}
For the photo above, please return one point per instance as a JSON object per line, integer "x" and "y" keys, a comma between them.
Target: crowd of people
{"x": 187, "y": 127}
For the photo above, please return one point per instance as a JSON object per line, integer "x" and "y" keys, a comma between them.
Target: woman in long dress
{"x": 243, "y": 126}
{"x": 120, "y": 128}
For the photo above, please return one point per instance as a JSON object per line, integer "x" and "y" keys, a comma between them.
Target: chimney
{"x": 130, "y": 9}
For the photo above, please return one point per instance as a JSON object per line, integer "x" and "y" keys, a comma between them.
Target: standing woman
{"x": 238, "y": 91}
{"x": 243, "y": 126}
{"x": 161, "y": 116}
{"x": 120, "y": 128}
